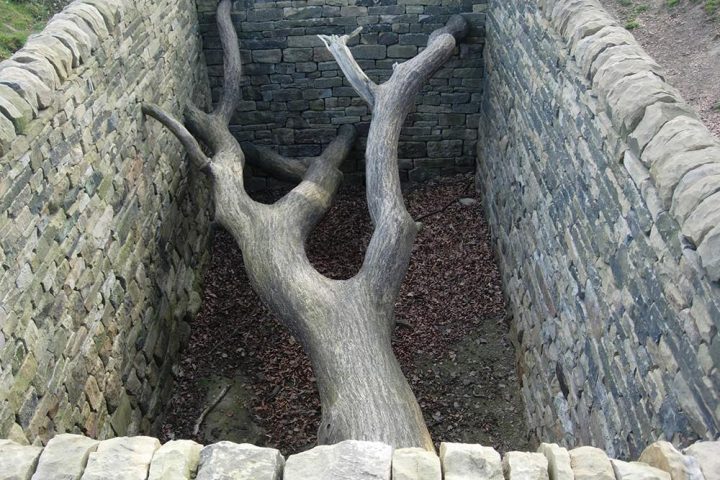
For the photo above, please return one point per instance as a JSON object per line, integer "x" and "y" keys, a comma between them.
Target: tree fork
{"x": 345, "y": 326}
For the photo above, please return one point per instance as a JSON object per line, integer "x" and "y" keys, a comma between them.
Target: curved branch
{"x": 181, "y": 133}
{"x": 388, "y": 253}
{"x": 267, "y": 160}
{"x": 355, "y": 75}
{"x": 231, "y": 63}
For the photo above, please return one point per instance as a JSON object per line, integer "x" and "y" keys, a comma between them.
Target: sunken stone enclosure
{"x": 601, "y": 187}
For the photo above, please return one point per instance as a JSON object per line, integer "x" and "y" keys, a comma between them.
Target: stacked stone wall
{"x": 102, "y": 226}
{"x": 75, "y": 456}
{"x": 295, "y": 96}
{"x": 601, "y": 188}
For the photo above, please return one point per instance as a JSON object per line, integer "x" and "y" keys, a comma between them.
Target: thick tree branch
{"x": 355, "y": 75}
{"x": 178, "y": 129}
{"x": 388, "y": 253}
{"x": 271, "y": 162}
{"x": 307, "y": 202}
{"x": 231, "y": 60}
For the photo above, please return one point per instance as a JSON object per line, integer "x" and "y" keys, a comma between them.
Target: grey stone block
{"x": 122, "y": 458}
{"x": 18, "y": 461}
{"x": 65, "y": 457}
{"x": 415, "y": 464}
{"x": 525, "y": 466}
{"x": 227, "y": 460}
{"x": 461, "y": 461}
{"x": 176, "y": 460}
{"x": 349, "y": 459}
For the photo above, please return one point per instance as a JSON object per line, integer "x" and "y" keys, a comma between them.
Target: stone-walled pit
{"x": 600, "y": 185}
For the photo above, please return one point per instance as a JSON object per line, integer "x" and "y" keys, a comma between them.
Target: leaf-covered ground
{"x": 451, "y": 337}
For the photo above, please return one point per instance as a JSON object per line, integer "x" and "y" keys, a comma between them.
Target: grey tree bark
{"x": 344, "y": 326}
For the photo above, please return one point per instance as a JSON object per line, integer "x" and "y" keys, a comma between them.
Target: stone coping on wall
{"x": 30, "y": 77}
{"x": 71, "y": 456}
{"x": 671, "y": 155}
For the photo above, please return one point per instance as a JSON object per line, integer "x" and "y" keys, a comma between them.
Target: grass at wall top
{"x": 20, "y": 18}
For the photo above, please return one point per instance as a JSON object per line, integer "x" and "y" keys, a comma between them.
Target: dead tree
{"x": 345, "y": 326}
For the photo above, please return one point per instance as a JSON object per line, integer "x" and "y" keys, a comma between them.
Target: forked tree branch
{"x": 355, "y": 75}
{"x": 388, "y": 253}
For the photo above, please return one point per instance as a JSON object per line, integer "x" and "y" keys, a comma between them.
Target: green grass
{"x": 18, "y": 19}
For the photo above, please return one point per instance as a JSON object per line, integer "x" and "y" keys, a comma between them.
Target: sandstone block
{"x": 415, "y": 464}
{"x": 345, "y": 460}
{"x": 53, "y": 50}
{"x": 28, "y": 86}
{"x": 629, "y": 97}
{"x": 703, "y": 219}
{"x": 177, "y": 459}
{"x": 462, "y": 461}
{"x": 590, "y": 463}
{"x": 656, "y": 116}
{"x": 695, "y": 187}
{"x": 668, "y": 172}
{"x": 18, "y": 462}
{"x": 681, "y": 134}
{"x": 7, "y": 134}
{"x": 525, "y": 466}
{"x": 122, "y": 458}
{"x": 637, "y": 471}
{"x": 707, "y": 455}
{"x": 664, "y": 455}
{"x": 65, "y": 457}
{"x": 558, "y": 461}
{"x": 709, "y": 251}
{"x": 227, "y": 460}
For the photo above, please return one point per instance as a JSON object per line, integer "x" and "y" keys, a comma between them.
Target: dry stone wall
{"x": 102, "y": 228}
{"x": 295, "y": 96}
{"x": 82, "y": 458}
{"x": 602, "y": 190}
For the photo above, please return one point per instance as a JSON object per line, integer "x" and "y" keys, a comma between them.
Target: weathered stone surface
{"x": 709, "y": 251}
{"x": 707, "y": 455}
{"x": 122, "y": 458}
{"x": 629, "y": 97}
{"x": 7, "y": 134}
{"x": 664, "y": 456}
{"x": 703, "y": 218}
{"x": 65, "y": 457}
{"x": 656, "y": 116}
{"x": 232, "y": 461}
{"x": 350, "y": 459}
{"x": 668, "y": 172}
{"x": 695, "y": 187}
{"x": 637, "y": 471}
{"x": 462, "y": 461}
{"x": 415, "y": 464}
{"x": 678, "y": 135}
{"x": 177, "y": 459}
{"x": 27, "y": 85}
{"x": 590, "y": 463}
{"x": 558, "y": 461}
{"x": 15, "y": 109}
{"x": 17, "y": 462}
{"x": 525, "y": 466}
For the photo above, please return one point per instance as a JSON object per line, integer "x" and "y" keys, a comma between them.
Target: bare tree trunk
{"x": 345, "y": 326}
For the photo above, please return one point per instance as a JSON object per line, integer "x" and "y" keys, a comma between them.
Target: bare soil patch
{"x": 684, "y": 37}
{"x": 451, "y": 337}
